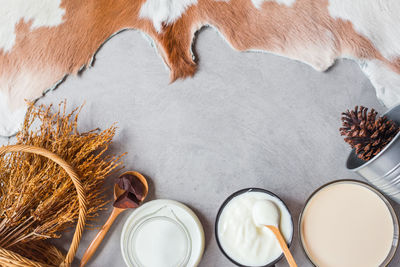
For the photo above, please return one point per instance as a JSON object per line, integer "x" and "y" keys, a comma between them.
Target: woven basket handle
{"x": 78, "y": 186}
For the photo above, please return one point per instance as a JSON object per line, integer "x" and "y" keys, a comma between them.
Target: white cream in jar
{"x": 162, "y": 233}
{"x": 242, "y": 239}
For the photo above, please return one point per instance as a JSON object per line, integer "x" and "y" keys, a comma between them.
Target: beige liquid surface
{"x": 347, "y": 225}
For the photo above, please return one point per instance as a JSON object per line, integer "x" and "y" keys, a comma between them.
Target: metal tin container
{"x": 383, "y": 170}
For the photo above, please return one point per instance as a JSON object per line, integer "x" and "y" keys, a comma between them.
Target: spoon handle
{"x": 284, "y": 247}
{"x": 99, "y": 237}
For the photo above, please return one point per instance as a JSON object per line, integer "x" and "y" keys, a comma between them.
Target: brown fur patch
{"x": 305, "y": 31}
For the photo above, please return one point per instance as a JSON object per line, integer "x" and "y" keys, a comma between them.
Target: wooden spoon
{"x": 267, "y": 214}
{"x": 114, "y": 214}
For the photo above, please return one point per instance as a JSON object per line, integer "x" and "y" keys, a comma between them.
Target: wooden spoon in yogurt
{"x": 267, "y": 214}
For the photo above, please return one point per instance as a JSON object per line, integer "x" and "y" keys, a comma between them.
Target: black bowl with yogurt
{"x": 240, "y": 239}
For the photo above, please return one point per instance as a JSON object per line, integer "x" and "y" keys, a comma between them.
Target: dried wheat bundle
{"x": 37, "y": 199}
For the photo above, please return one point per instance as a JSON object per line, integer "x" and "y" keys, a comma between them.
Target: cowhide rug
{"x": 41, "y": 41}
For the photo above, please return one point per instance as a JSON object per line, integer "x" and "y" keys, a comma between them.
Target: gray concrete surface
{"x": 244, "y": 120}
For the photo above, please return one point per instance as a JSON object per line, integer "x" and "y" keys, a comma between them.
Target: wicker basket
{"x": 9, "y": 258}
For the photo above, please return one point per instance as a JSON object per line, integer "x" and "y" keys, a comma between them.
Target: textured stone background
{"x": 244, "y": 120}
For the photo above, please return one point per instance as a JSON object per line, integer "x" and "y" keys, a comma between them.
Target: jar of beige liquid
{"x": 348, "y": 223}
{"x": 241, "y": 239}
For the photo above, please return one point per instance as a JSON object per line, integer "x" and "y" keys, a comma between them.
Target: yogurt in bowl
{"x": 241, "y": 239}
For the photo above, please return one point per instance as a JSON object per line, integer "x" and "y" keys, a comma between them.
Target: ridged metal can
{"x": 383, "y": 170}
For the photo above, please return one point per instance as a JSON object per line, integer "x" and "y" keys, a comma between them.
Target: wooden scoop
{"x": 267, "y": 214}
{"x": 123, "y": 204}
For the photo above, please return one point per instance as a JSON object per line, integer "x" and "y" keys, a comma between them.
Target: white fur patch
{"x": 378, "y": 20}
{"x": 385, "y": 81}
{"x": 41, "y": 12}
{"x": 11, "y": 120}
{"x": 258, "y": 3}
{"x": 164, "y": 11}
{"x": 14, "y": 94}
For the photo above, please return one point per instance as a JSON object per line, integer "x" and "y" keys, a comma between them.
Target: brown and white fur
{"x": 41, "y": 41}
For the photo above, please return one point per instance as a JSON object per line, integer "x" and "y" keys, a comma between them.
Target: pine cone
{"x": 367, "y": 133}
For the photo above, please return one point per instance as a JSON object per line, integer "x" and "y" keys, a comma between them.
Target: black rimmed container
{"x": 395, "y": 242}
{"x": 242, "y": 191}
{"x": 383, "y": 170}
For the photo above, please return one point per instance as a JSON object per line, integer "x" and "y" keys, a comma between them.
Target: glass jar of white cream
{"x": 162, "y": 233}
